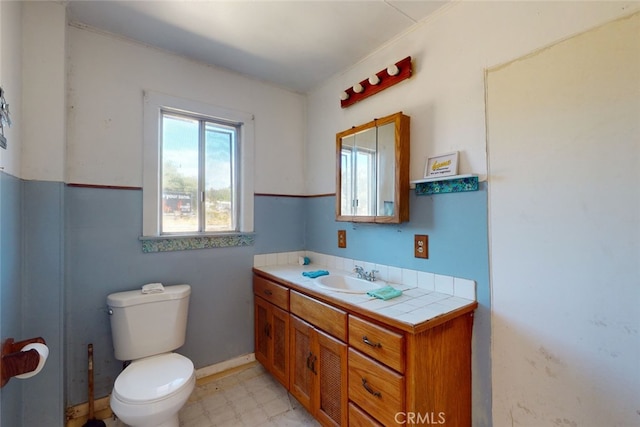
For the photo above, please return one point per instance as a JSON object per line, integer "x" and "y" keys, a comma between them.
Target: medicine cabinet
{"x": 372, "y": 178}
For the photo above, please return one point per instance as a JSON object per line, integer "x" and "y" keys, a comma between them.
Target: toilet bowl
{"x": 146, "y": 328}
{"x": 151, "y": 391}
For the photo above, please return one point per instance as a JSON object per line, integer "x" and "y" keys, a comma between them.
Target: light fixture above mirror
{"x": 393, "y": 74}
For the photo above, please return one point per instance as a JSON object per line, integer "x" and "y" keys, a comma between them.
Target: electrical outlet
{"x": 421, "y": 246}
{"x": 342, "y": 238}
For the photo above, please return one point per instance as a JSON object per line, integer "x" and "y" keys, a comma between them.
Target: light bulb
{"x": 358, "y": 88}
{"x": 344, "y": 96}
{"x": 393, "y": 70}
{"x": 374, "y": 80}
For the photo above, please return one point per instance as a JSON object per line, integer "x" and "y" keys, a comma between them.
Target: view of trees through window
{"x": 198, "y": 175}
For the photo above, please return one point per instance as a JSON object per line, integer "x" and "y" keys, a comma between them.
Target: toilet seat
{"x": 153, "y": 379}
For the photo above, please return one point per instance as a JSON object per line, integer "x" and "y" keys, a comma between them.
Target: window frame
{"x": 154, "y": 104}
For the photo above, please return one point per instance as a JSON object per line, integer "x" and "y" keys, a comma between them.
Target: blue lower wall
{"x": 31, "y": 294}
{"x": 456, "y": 224}
{"x": 43, "y": 298}
{"x": 64, "y": 249}
{"x": 104, "y": 255}
{"x": 10, "y": 289}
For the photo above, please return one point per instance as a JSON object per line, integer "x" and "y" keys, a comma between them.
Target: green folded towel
{"x": 314, "y": 274}
{"x": 385, "y": 293}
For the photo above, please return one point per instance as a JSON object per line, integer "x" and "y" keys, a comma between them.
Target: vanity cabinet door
{"x": 332, "y": 373}
{"x": 280, "y": 343}
{"x": 272, "y": 339}
{"x": 319, "y": 373}
{"x": 302, "y": 365}
{"x": 261, "y": 325}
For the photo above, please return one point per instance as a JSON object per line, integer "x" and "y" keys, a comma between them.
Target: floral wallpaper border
{"x": 168, "y": 244}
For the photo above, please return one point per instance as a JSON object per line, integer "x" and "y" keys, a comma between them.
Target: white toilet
{"x": 146, "y": 328}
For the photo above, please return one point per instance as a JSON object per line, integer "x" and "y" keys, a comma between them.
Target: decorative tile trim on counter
{"x": 449, "y": 186}
{"x": 455, "y": 286}
{"x": 185, "y": 243}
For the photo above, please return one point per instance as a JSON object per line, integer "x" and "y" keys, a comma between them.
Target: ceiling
{"x": 294, "y": 44}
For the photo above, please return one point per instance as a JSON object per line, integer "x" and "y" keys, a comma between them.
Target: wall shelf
{"x": 450, "y": 184}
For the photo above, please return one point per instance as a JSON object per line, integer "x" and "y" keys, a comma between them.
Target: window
{"x": 198, "y": 165}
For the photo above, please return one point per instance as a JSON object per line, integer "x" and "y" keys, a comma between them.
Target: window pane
{"x": 364, "y": 176}
{"x": 346, "y": 184}
{"x": 179, "y": 174}
{"x": 219, "y": 179}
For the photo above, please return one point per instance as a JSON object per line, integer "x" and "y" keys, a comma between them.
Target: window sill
{"x": 168, "y": 243}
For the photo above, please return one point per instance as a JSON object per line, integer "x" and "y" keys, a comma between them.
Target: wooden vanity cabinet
{"x": 271, "y": 323}
{"x": 350, "y": 367}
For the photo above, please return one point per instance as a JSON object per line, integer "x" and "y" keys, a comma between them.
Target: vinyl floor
{"x": 245, "y": 396}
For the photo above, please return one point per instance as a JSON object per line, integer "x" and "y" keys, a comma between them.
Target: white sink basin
{"x": 348, "y": 284}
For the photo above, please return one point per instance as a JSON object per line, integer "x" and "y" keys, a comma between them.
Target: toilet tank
{"x": 147, "y": 324}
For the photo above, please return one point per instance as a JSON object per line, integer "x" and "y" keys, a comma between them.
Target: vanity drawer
{"x": 359, "y": 418}
{"x": 320, "y": 315}
{"x": 272, "y": 292}
{"x": 380, "y": 343}
{"x": 375, "y": 388}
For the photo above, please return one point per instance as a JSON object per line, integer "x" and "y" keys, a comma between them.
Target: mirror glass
{"x": 358, "y": 168}
{"x": 386, "y": 181}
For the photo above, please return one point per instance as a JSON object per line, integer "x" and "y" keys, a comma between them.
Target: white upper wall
{"x": 107, "y": 77}
{"x": 44, "y": 91}
{"x": 564, "y": 144}
{"x": 445, "y": 95}
{"x": 11, "y": 82}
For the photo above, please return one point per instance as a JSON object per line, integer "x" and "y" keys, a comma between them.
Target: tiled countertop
{"x": 417, "y": 305}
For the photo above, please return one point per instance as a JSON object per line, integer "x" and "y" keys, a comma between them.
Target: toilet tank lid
{"x": 129, "y": 298}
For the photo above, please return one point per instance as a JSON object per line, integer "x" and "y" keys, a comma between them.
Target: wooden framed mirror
{"x": 372, "y": 171}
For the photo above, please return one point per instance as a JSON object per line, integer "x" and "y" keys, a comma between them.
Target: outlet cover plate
{"x": 421, "y": 246}
{"x": 342, "y": 238}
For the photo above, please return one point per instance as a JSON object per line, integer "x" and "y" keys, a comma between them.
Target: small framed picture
{"x": 441, "y": 166}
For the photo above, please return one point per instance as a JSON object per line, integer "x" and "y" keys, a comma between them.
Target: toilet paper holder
{"x": 14, "y": 361}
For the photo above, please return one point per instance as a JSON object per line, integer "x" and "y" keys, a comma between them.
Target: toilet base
{"x": 156, "y": 414}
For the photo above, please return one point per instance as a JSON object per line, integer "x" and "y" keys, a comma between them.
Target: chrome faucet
{"x": 369, "y": 276}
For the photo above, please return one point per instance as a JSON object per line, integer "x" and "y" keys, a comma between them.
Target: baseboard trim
{"x": 78, "y": 415}
{"x": 224, "y": 366}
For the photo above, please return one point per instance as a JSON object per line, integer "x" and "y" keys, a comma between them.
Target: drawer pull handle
{"x": 267, "y": 330}
{"x": 311, "y": 363}
{"x": 268, "y": 292}
{"x": 372, "y": 344}
{"x": 369, "y": 389}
